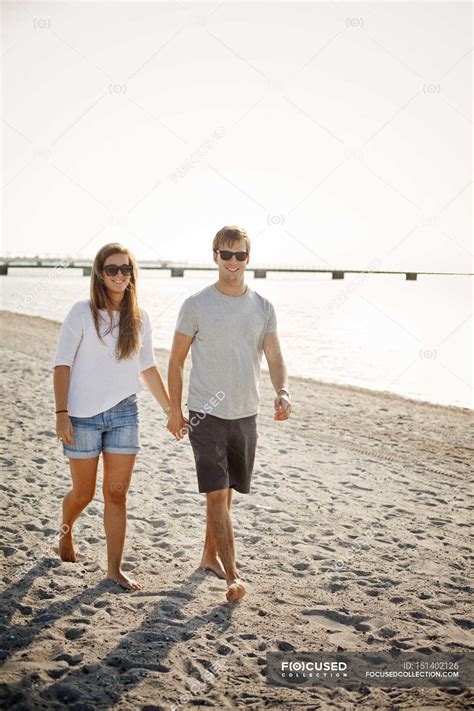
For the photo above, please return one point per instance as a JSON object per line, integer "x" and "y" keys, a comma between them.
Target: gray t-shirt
{"x": 226, "y": 350}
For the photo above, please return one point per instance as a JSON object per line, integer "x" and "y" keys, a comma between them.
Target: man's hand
{"x": 282, "y": 407}
{"x": 177, "y": 424}
{"x": 64, "y": 428}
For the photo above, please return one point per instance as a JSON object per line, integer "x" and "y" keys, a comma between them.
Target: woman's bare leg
{"x": 84, "y": 477}
{"x": 118, "y": 470}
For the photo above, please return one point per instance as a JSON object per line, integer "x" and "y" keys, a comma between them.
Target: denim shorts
{"x": 115, "y": 431}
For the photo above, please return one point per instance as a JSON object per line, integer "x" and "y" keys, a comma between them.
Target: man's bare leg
{"x": 221, "y": 532}
{"x": 210, "y": 559}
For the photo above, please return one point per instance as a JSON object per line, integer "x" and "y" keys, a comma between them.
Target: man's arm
{"x": 179, "y": 351}
{"x": 278, "y": 375}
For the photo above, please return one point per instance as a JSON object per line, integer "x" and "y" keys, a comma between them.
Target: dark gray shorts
{"x": 224, "y": 451}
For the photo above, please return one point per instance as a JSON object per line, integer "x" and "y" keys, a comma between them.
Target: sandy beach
{"x": 355, "y": 537}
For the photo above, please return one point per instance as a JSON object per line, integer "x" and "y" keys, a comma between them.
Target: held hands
{"x": 177, "y": 424}
{"x": 282, "y": 407}
{"x": 64, "y": 430}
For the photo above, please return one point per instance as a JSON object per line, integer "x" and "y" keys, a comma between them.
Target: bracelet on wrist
{"x": 58, "y": 411}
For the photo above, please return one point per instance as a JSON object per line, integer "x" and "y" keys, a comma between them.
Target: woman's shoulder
{"x": 144, "y": 318}
{"x": 84, "y": 305}
{"x": 80, "y": 308}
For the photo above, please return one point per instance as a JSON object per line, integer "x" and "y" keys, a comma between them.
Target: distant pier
{"x": 178, "y": 270}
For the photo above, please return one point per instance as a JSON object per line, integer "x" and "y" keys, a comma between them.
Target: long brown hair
{"x": 129, "y": 341}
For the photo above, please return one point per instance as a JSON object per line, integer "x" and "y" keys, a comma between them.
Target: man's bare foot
{"x": 123, "y": 580}
{"x": 235, "y": 590}
{"x": 66, "y": 549}
{"x": 212, "y": 563}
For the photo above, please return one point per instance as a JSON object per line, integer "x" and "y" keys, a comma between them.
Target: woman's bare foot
{"x": 66, "y": 549}
{"x": 235, "y": 590}
{"x": 212, "y": 563}
{"x": 123, "y": 580}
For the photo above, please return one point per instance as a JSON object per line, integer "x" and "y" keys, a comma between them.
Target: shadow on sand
{"x": 85, "y": 687}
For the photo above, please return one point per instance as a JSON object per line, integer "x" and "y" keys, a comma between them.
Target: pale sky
{"x": 338, "y": 134}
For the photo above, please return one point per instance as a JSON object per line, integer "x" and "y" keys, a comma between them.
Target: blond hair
{"x": 229, "y": 235}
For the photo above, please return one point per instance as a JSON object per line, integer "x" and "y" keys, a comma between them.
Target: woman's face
{"x": 116, "y": 283}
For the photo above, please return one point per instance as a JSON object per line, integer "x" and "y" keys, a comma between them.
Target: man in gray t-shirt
{"x": 228, "y": 327}
{"x": 226, "y": 349}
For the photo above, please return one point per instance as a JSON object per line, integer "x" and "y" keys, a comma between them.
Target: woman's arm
{"x": 154, "y": 382}
{"x": 70, "y": 337}
{"x": 61, "y": 387}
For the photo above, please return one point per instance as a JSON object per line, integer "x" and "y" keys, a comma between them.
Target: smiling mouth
{"x": 232, "y": 269}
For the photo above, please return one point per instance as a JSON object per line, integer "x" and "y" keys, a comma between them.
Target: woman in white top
{"x": 105, "y": 344}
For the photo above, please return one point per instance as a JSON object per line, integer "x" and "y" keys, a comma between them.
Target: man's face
{"x": 231, "y": 270}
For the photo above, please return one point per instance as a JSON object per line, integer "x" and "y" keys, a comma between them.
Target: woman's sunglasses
{"x": 226, "y": 255}
{"x": 113, "y": 269}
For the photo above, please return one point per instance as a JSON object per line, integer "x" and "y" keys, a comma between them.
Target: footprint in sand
{"x": 101, "y": 603}
{"x": 72, "y": 660}
{"x": 127, "y": 567}
{"x": 58, "y": 672}
{"x": 301, "y": 566}
{"x": 74, "y": 632}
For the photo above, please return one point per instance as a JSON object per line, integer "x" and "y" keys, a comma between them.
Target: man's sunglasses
{"x": 113, "y": 269}
{"x": 226, "y": 255}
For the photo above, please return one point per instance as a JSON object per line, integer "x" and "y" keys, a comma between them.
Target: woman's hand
{"x": 64, "y": 428}
{"x": 177, "y": 424}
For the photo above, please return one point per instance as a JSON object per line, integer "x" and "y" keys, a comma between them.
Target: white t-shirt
{"x": 98, "y": 381}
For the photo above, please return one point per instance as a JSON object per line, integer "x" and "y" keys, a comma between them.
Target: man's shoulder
{"x": 200, "y": 296}
{"x": 259, "y": 300}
